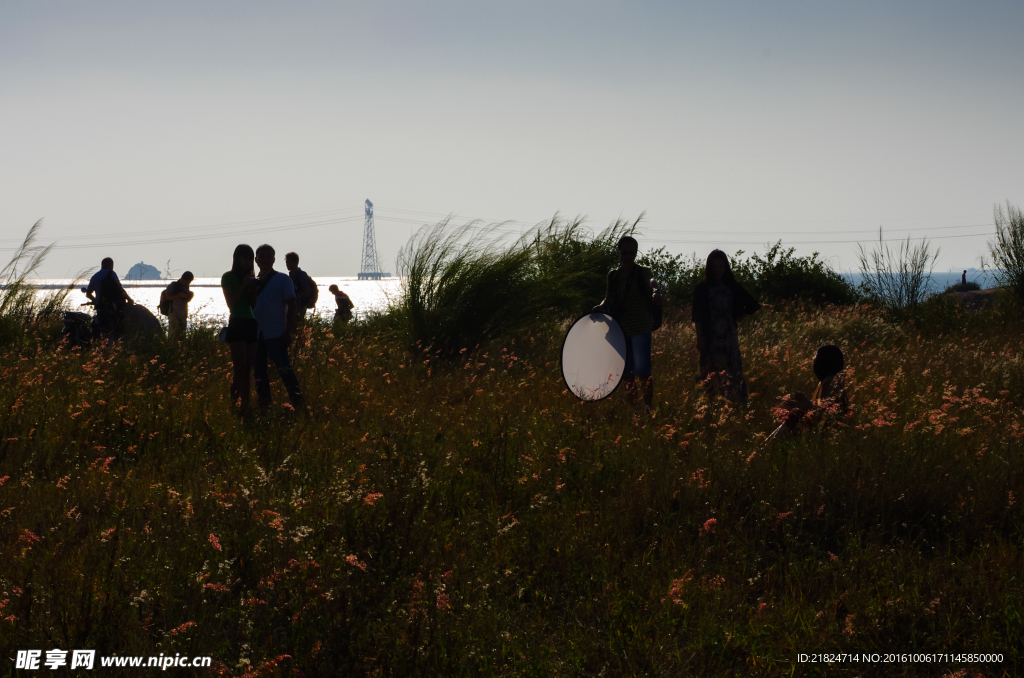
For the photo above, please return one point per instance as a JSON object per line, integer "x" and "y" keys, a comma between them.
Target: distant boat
{"x": 143, "y": 271}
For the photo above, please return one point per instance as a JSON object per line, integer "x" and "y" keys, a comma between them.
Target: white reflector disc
{"x": 593, "y": 356}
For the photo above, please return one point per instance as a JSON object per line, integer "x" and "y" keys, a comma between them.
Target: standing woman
{"x": 239, "y": 286}
{"x": 631, "y": 293}
{"x": 719, "y": 302}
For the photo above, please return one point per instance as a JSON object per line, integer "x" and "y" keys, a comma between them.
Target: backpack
{"x": 111, "y": 294}
{"x": 315, "y": 294}
{"x": 165, "y": 303}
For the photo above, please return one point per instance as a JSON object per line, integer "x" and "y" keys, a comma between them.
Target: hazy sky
{"x": 731, "y": 124}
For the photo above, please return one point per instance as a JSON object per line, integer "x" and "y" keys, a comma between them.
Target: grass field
{"x": 468, "y": 517}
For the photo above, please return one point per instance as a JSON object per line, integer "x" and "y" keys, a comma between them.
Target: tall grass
{"x": 466, "y": 284}
{"x": 20, "y": 303}
{"x": 472, "y": 519}
{"x": 1008, "y": 248}
{"x": 897, "y": 278}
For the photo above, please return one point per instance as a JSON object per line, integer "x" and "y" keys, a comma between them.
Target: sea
{"x": 369, "y": 296}
{"x": 208, "y": 306}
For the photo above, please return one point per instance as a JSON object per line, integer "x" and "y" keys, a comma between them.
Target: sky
{"x": 170, "y": 132}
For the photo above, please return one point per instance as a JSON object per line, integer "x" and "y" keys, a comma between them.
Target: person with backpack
{"x": 306, "y": 293}
{"x": 174, "y": 304}
{"x": 719, "y": 302}
{"x": 109, "y": 299}
{"x": 276, "y": 318}
{"x": 633, "y": 299}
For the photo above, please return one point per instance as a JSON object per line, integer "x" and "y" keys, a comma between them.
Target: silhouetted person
{"x": 963, "y": 280}
{"x": 630, "y": 294}
{"x": 239, "y": 287}
{"x": 179, "y": 295}
{"x": 276, "y": 319}
{"x": 829, "y": 396}
{"x": 109, "y": 299}
{"x": 719, "y": 302}
{"x": 343, "y": 313}
{"x": 305, "y": 289}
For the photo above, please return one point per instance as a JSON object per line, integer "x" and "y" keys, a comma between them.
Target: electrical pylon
{"x": 370, "y": 267}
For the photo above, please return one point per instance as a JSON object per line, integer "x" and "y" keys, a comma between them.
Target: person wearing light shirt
{"x": 275, "y": 321}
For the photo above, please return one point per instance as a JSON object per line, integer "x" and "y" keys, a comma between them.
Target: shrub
{"x": 777, "y": 276}
{"x": 897, "y": 279}
{"x": 1008, "y": 249}
{"x": 781, "y": 276}
{"x": 971, "y": 286}
{"x": 677, "y": 275}
{"x": 466, "y": 284}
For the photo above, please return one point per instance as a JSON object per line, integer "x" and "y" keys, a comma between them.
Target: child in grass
{"x": 828, "y": 398}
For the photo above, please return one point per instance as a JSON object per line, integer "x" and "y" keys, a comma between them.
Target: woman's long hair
{"x": 727, "y": 277}
{"x": 241, "y": 261}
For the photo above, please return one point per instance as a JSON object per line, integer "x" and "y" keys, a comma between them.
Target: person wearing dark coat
{"x": 719, "y": 302}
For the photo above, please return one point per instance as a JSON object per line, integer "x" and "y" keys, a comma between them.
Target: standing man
{"x": 963, "y": 280}
{"x": 108, "y": 298}
{"x": 305, "y": 289}
{"x": 276, "y": 316}
{"x": 179, "y": 295}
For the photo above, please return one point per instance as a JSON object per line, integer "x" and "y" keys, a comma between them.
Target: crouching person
{"x": 829, "y": 397}
{"x": 276, "y": 318}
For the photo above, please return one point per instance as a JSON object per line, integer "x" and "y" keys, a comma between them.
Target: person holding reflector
{"x": 633, "y": 299}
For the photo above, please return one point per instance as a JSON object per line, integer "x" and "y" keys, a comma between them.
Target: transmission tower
{"x": 370, "y": 268}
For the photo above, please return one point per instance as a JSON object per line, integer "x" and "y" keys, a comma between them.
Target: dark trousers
{"x": 278, "y": 352}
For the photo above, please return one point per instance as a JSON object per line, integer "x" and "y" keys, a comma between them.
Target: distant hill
{"x": 143, "y": 271}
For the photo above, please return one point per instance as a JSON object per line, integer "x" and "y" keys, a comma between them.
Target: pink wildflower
{"x": 181, "y": 629}
{"x": 215, "y": 541}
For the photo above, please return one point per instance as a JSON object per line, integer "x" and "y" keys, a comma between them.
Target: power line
{"x": 192, "y": 238}
{"x": 244, "y": 229}
{"x": 206, "y": 227}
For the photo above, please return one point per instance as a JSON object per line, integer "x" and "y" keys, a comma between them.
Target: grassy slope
{"x": 473, "y": 519}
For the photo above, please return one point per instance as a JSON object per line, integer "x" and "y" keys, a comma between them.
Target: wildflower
{"x": 371, "y": 498}
{"x": 709, "y": 525}
{"x": 849, "y": 625}
{"x": 698, "y": 478}
{"x": 712, "y": 583}
{"x": 215, "y": 541}
{"x": 352, "y": 560}
{"x": 675, "y": 592}
{"x": 183, "y": 628}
